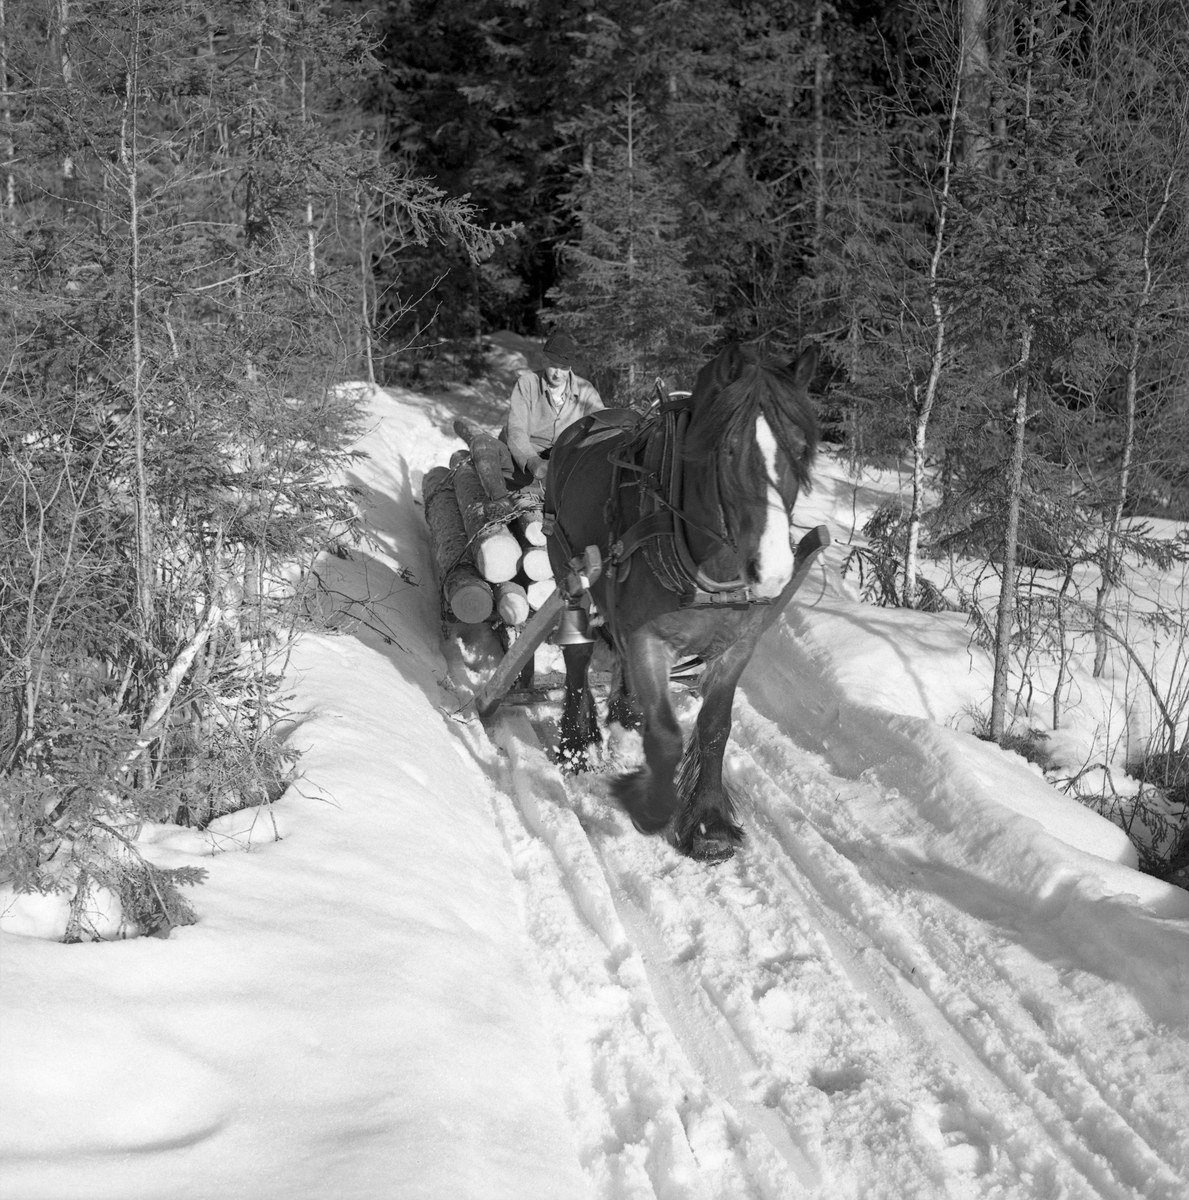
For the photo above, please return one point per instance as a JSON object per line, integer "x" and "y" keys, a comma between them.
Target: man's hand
{"x": 538, "y": 466}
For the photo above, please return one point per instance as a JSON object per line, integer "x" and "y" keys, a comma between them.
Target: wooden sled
{"x": 540, "y": 625}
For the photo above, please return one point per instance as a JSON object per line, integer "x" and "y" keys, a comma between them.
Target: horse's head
{"x": 749, "y": 447}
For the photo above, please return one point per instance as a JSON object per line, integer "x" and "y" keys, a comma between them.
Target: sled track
{"x": 811, "y": 1019}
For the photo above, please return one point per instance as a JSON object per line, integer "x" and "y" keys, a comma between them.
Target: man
{"x": 545, "y": 402}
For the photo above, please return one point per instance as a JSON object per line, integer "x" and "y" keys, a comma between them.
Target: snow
{"x": 437, "y": 968}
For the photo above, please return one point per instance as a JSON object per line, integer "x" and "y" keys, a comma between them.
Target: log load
{"x": 466, "y": 593}
{"x": 495, "y": 551}
{"x": 486, "y": 457}
{"x": 535, "y": 563}
{"x": 511, "y": 602}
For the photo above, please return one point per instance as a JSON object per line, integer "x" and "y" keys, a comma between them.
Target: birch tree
{"x": 1033, "y": 264}
{"x": 1139, "y": 61}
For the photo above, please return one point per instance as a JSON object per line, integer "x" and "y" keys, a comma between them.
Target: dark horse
{"x": 690, "y": 510}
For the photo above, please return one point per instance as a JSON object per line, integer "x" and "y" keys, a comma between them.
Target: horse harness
{"x": 650, "y": 450}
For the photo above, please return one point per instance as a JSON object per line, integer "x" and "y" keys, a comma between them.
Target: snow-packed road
{"x": 812, "y": 1019}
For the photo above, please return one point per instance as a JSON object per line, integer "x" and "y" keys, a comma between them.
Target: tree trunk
{"x": 311, "y": 242}
{"x": 1112, "y": 563}
{"x": 819, "y": 129}
{"x": 67, "y": 76}
{"x": 976, "y": 81}
{"x": 631, "y": 249}
{"x": 128, "y": 160}
{"x": 364, "y": 216}
{"x": 8, "y": 200}
{"x": 1005, "y": 621}
{"x": 924, "y": 408}
{"x": 1062, "y": 648}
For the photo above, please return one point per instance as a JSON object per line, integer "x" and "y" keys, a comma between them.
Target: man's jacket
{"x": 534, "y": 423}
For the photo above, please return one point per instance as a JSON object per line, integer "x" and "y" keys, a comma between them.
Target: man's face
{"x": 555, "y": 376}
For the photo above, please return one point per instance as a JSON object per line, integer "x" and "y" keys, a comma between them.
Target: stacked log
{"x": 535, "y": 563}
{"x": 496, "y": 551}
{"x": 511, "y": 602}
{"x": 485, "y": 457}
{"x": 467, "y": 594}
{"x": 530, "y": 527}
{"x": 538, "y": 592}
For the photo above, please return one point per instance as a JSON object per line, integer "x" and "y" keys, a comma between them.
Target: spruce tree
{"x": 626, "y": 291}
{"x": 176, "y": 314}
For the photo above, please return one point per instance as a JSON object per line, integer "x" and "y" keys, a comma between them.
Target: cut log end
{"x": 512, "y": 604}
{"x": 535, "y": 563}
{"x": 469, "y": 597}
{"x": 539, "y": 592}
{"x": 531, "y": 526}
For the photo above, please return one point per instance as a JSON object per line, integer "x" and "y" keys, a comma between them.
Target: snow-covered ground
{"x": 436, "y": 968}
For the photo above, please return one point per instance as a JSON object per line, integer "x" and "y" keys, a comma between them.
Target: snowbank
{"x": 354, "y": 1015}
{"x": 867, "y": 689}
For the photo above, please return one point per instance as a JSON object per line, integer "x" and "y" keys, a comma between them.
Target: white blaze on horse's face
{"x": 774, "y": 555}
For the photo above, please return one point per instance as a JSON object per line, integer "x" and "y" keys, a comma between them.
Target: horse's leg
{"x": 579, "y": 720}
{"x": 706, "y": 828}
{"x": 621, "y": 707}
{"x": 649, "y": 795}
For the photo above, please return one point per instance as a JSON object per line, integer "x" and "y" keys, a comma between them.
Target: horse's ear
{"x": 802, "y": 368}
{"x": 726, "y": 365}
{"x": 732, "y": 360}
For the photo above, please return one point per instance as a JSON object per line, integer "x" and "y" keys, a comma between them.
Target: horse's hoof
{"x": 634, "y": 796}
{"x": 712, "y": 840}
{"x": 575, "y": 755}
{"x": 711, "y": 850}
{"x": 573, "y": 762}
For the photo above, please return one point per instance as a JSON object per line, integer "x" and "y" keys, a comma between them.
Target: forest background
{"x": 214, "y": 213}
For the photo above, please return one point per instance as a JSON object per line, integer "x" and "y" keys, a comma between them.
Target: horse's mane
{"x": 736, "y": 387}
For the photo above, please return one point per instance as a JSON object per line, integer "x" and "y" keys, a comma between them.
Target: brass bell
{"x": 573, "y": 629}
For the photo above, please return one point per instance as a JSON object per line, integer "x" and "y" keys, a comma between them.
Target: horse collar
{"x": 654, "y": 455}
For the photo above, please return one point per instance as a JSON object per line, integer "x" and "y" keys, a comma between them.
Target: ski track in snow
{"x": 814, "y": 1018}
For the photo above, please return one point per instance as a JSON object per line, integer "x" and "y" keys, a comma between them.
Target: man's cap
{"x": 560, "y": 350}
